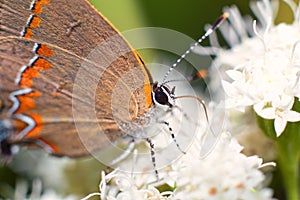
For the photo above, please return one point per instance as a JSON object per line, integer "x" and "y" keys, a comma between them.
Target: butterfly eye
{"x": 161, "y": 97}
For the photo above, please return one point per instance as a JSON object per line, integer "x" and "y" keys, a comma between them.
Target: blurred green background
{"x": 188, "y": 17}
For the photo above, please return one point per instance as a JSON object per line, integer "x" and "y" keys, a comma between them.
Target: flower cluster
{"x": 119, "y": 185}
{"x": 225, "y": 174}
{"x": 262, "y": 71}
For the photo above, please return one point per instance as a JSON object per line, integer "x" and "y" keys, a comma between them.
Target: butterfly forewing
{"x": 59, "y": 58}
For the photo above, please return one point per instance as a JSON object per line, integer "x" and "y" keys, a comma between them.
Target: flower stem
{"x": 287, "y": 147}
{"x": 288, "y": 150}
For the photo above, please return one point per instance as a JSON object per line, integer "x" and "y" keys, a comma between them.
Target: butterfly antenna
{"x": 207, "y": 33}
{"x": 175, "y": 80}
{"x": 199, "y": 101}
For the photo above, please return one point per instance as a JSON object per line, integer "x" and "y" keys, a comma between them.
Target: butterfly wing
{"x": 60, "y": 65}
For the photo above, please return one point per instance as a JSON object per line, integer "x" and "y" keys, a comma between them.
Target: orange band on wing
{"x": 37, "y": 7}
{"x": 32, "y": 71}
{"x": 54, "y": 148}
{"x": 26, "y": 102}
{"x": 148, "y": 80}
{"x": 35, "y": 132}
{"x": 33, "y": 94}
{"x": 43, "y": 50}
{"x": 45, "y": 1}
{"x": 19, "y": 125}
{"x": 148, "y": 91}
{"x": 41, "y": 64}
{"x": 27, "y": 33}
{"x": 27, "y": 76}
{"x": 35, "y": 22}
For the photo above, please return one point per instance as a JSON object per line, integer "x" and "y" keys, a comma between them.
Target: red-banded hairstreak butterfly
{"x": 57, "y": 79}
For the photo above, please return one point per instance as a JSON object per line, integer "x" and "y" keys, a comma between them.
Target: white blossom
{"x": 225, "y": 174}
{"x": 263, "y": 70}
{"x": 280, "y": 110}
{"x": 119, "y": 185}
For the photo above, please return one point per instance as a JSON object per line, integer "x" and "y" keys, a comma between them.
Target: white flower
{"x": 246, "y": 130}
{"x": 119, "y": 185}
{"x": 280, "y": 110}
{"x": 225, "y": 174}
{"x": 264, "y": 67}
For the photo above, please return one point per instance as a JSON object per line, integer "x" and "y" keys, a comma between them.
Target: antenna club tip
{"x": 225, "y": 15}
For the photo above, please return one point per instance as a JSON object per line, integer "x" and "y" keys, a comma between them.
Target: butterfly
{"x": 70, "y": 83}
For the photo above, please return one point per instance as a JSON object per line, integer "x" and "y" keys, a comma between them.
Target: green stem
{"x": 288, "y": 163}
{"x": 288, "y": 150}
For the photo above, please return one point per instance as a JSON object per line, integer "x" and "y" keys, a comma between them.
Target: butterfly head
{"x": 163, "y": 95}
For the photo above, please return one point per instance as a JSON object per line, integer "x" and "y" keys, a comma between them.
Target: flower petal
{"x": 292, "y": 116}
{"x": 283, "y": 101}
{"x": 279, "y": 124}
{"x": 229, "y": 89}
{"x": 234, "y": 75}
{"x": 267, "y": 113}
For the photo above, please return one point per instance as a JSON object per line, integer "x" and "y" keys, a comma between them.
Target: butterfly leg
{"x": 173, "y": 136}
{"x": 153, "y": 157}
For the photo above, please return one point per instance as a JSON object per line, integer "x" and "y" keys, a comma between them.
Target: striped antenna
{"x": 207, "y": 33}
